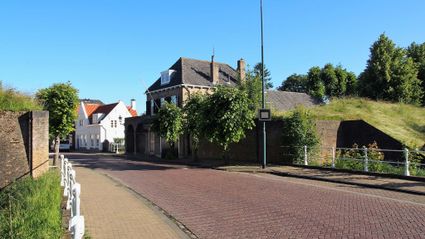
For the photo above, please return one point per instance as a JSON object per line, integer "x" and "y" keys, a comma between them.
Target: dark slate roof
{"x": 286, "y": 100}
{"x": 197, "y": 72}
{"x": 92, "y": 101}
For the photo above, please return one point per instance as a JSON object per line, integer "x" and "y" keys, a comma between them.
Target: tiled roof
{"x": 197, "y": 72}
{"x": 105, "y": 109}
{"x": 285, "y": 100}
{"x": 132, "y": 111}
{"x": 91, "y": 108}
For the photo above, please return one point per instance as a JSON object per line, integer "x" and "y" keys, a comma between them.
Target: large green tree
{"x": 417, "y": 53}
{"x": 294, "y": 83}
{"x": 315, "y": 85}
{"x": 267, "y": 76}
{"x": 61, "y": 100}
{"x": 252, "y": 85}
{"x": 194, "y": 119}
{"x": 229, "y": 116}
{"x": 169, "y": 123}
{"x": 390, "y": 74}
{"x": 330, "y": 80}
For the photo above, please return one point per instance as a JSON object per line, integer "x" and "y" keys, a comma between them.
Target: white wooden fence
{"x": 72, "y": 191}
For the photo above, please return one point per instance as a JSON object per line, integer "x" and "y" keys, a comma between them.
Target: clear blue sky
{"x": 107, "y": 48}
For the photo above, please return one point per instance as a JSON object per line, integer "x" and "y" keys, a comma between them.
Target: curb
{"x": 283, "y": 174}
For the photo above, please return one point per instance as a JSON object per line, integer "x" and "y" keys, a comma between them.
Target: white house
{"x": 98, "y": 125}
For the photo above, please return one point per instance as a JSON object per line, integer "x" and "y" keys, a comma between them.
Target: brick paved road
{"x": 217, "y": 204}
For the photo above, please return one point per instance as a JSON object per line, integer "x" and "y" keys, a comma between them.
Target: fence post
{"x": 406, "y": 162}
{"x": 305, "y": 155}
{"x": 366, "y": 166}
{"x": 62, "y": 171}
{"x": 333, "y": 157}
{"x": 66, "y": 178}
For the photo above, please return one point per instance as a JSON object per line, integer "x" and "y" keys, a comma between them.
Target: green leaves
{"x": 169, "y": 123}
{"x": 61, "y": 100}
{"x": 390, "y": 74}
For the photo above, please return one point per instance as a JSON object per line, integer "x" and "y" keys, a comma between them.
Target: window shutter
{"x": 148, "y": 107}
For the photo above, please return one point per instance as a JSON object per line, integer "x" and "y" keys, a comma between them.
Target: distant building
{"x": 176, "y": 84}
{"x": 97, "y": 124}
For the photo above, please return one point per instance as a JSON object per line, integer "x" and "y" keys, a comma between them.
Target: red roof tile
{"x": 91, "y": 108}
{"x": 132, "y": 112}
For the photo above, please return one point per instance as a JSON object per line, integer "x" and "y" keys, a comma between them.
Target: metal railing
{"x": 72, "y": 191}
{"x": 405, "y": 162}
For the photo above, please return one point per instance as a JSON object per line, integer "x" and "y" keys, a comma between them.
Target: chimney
{"x": 133, "y": 104}
{"x": 241, "y": 69}
{"x": 214, "y": 71}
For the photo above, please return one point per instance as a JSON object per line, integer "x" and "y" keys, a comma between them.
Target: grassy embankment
{"x": 406, "y": 123}
{"x": 31, "y": 208}
{"x": 13, "y": 100}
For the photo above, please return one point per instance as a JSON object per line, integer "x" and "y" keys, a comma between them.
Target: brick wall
{"x": 24, "y": 142}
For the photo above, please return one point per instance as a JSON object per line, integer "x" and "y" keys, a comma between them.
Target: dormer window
{"x": 166, "y": 76}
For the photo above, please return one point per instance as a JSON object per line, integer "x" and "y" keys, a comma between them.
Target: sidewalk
{"x": 394, "y": 184}
{"x": 113, "y": 211}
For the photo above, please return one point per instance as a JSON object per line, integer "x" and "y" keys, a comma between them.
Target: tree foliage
{"x": 267, "y": 76}
{"x": 252, "y": 85}
{"x": 295, "y": 83}
{"x": 315, "y": 85}
{"x": 228, "y": 116}
{"x": 390, "y": 74}
{"x": 299, "y": 130}
{"x": 194, "y": 118}
{"x": 417, "y": 53}
{"x": 61, "y": 100}
{"x": 169, "y": 123}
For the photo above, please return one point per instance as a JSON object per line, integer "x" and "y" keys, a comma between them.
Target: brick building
{"x": 176, "y": 84}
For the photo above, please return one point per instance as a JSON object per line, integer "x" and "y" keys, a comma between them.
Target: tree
{"x": 390, "y": 74}
{"x": 169, "y": 123}
{"x": 299, "y": 130}
{"x": 351, "y": 81}
{"x": 61, "y": 100}
{"x": 194, "y": 120}
{"x": 295, "y": 83}
{"x": 253, "y": 87}
{"x": 417, "y": 53}
{"x": 267, "y": 77}
{"x": 229, "y": 116}
{"x": 329, "y": 78}
{"x": 315, "y": 86}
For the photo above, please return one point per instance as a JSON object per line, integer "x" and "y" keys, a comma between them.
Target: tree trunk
{"x": 56, "y": 157}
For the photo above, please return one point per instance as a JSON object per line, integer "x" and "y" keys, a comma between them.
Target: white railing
{"x": 72, "y": 191}
{"x": 364, "y": 157}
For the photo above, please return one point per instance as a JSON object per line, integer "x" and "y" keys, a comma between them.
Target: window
{"x": 152, "y": 107}
{"x": 115, "y": 123}
{"x": 162, "y": 102}
{"x": 120, "y": 119}
{"x": 81, "y": 122}
{"x": 174, "y": 99}
{"x": 166, "y": 76}
{"x": 112, "y": 124}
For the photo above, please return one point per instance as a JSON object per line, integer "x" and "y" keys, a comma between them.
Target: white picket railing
{"x": 72, "y": 191}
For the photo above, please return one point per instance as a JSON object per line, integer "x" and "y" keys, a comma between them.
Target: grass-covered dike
{"x": 13, "y": 100}
{"x": 32, "y": 208}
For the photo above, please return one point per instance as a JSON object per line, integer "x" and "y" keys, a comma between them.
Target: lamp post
{"x": 263, "y": 102}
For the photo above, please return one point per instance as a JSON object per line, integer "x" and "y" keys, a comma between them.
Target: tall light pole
{"x": 263, "y": 102}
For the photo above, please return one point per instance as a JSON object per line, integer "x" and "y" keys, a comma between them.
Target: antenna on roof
{"x": 147, "y": 90}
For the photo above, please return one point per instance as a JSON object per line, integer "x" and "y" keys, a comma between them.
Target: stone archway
{"x": 129, "y": 139}
{"x": 141, "y": 135}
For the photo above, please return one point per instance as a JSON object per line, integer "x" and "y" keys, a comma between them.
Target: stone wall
{"x": 24, "y": 142}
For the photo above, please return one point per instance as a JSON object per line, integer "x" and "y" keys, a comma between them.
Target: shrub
{"x": 299, "y": 129}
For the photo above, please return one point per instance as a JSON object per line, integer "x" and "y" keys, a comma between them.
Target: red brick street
{"x": 219, "y": 204}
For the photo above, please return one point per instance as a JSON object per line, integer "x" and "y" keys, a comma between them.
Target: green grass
{"x": 406, "y": 123}
{"x": 31, "y": 208}
{"x": 13, "y": 100}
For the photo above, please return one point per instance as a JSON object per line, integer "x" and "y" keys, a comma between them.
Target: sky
{"x": 113, "y": 50}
